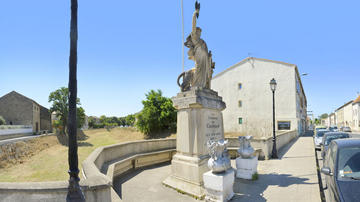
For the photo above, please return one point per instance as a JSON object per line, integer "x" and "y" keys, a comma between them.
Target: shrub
{"x": 2, "y": 121}
{"x": 157, "y": 115}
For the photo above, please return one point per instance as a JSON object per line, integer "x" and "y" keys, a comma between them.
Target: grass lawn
{"x": 51, "y": 164}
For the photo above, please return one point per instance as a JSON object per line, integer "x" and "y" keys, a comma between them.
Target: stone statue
{"x": 219, "y": 159}
{"x": 245, "y": 151}
{"x": 201, "y": 75}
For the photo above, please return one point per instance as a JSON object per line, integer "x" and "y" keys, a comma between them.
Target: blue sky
{"x": 127, "y": 48}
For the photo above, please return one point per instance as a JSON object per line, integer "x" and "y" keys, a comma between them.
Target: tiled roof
{"x": 357, "y": 100}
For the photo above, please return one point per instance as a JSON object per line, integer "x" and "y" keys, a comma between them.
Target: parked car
{"x": 318, "y": 137}
{"x": 346, "y": 129}
{"x": 342, "y": 170}
{"x": 333, "y": 129}
{"x": 320, "y": 128}
{"x": 328, "y": 137}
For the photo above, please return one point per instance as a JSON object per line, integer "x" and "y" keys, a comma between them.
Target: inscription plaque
{"x": 213, "y": 126}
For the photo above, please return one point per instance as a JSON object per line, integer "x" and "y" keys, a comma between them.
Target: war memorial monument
{"x": 199, "y": 118}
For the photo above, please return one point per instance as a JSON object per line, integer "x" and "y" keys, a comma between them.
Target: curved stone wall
{"x": 105, "y": 163}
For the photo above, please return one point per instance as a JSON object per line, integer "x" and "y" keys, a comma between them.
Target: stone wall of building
{"x": 246, "y": 91}
{"x": 16, "y": 109}
{"x": 45, "y": 119}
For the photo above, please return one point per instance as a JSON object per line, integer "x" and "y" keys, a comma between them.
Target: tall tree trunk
{"x": 74, "y": 191}
{"x": 71, "y": 122}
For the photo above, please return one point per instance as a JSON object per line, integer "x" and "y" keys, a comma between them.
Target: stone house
{"x": 344, "y": 115}
{"x": 356, "y": 114}
{"x": 246, "y": 91}
{"x": 332, "y": 119}
{"x": 20, "y": 110}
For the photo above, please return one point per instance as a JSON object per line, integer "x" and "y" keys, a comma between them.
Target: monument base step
{"x": 246, "y": 168}
{"x": 219, "y": 186}
{"x": 194, "y": 190}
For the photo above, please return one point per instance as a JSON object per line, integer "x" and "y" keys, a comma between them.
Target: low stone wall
{"x": 105, "y": 163}
{"x": 263, "y": 146}
{"x": 15, "y": 129}
{"x": 113, "y": 160}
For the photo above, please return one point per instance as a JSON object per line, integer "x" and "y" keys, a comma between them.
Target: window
{"x": 240, "y": 103}
{"x": 240, "y": 121}
{"x": 239, "y": 86}
{"x": 284, "y": 125}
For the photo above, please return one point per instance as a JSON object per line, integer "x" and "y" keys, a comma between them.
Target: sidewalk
{"x": 292, "y": 177}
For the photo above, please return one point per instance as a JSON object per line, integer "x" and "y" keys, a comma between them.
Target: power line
{"x": 182, "y": 45}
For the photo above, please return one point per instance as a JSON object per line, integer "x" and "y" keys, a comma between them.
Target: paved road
{"x": 8, "y": 141}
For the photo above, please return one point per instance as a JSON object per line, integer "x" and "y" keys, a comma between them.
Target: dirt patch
{"x": 19, "y": 152}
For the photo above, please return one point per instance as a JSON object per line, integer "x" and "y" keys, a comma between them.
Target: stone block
{"x": 219, "y": 186}
{"x": 246, "y": 168}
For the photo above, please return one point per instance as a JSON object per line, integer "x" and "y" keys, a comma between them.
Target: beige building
{"x": 246, "y": 91}
{"x": 325, "y": 121}
{"x": 20, "y": 110}
{"x": 356, "y": 114}
{"x": 332, "y": 119}
{"x": 344, "y": 115}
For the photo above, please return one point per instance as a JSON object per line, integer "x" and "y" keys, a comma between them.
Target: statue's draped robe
{"x": 202, "y": 62}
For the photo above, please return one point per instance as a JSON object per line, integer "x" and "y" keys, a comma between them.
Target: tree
{"x": 157, "y": 115}
{"x": 122, "y": 121}
{"x": 324, "y": 116}
{"x": 92, "y": 122}
{"x": 2, "y": 121}
{"x": 60, "y": 105}
{"x": 80, "y": 117}
{"x": 130, "y": 120}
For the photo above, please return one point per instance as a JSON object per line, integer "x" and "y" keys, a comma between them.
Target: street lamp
{"x": 273, "y": 88}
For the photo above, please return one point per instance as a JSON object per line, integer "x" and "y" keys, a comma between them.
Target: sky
{"x": 127, "y": 48}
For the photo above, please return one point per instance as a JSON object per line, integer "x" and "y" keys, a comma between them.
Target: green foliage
{"x": 91, "y": 121}
{"x": 157, "y": 115}
{"x": 130, "y": 120}
{"x": 57, "y": 124}
{"x": 2, "y": 121}
{"x": 60, "y": 105}
{"x": 255, "y": 176}
{"x": 324, "y": 116}
{"x": 80, "y": 117}
{"x": 122, "y": 121}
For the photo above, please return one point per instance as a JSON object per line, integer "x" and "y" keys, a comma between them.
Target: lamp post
{"x": 273, "y": 88}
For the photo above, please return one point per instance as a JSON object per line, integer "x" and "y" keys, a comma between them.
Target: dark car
{"x": 333, "y": 129}
{"x": 328, "y": 137}
{"x": 342, "y": 170}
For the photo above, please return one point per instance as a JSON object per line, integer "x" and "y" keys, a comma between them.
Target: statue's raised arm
{"x": 195, "y": 15}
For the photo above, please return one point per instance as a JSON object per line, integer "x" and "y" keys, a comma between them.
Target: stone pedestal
{"x": 219, "y": 187}
{"x": 246, "y": 168}
{"x": 199, "y": 119}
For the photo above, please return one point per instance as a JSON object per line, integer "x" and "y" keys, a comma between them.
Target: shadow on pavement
{"x": 246, "y": 190}
{"x": 120, "y": 180}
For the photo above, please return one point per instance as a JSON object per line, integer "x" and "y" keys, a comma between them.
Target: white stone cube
{"x": 219, "y": 186}
{"x": 246, "y": 168}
